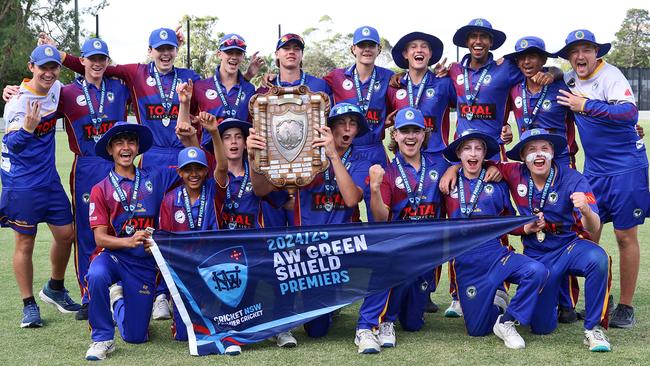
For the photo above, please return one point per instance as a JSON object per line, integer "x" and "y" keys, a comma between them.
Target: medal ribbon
{"x": 529, "y": 118}
{"x": 229, "y": 110}
{"x": 330, "y": 186}
{"x": 364, "y": 103}
{"x": 471, "y": 97}
{"x": 465, "y": 209}
{"x": 542, "y": 200}
{"x": 233, "y": 203}
{"x": 414, "y": 197}
{"x": 96, "y": 118}
{"x": 130, "y": 206}
{"x": 188, "y": 209}
{"x": 166, "y": 99}
{"x": 302, "y": 79}
{"x": 421, "y": 86}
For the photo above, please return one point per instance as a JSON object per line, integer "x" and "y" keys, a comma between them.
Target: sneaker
{"x": 367, "y": 342}
{"x": 161, "y": 308}
{"x": 508, "y": 333}
{"x": 502, "y": 300}
{"x": 454, "y": 310}
{"x": 622, "y": 317}
{"x": 82, "y": 314}
{"x": 597, "y": 340}
{"x": 431, "y": 307}
{"x": 59, "y": 298}
{"x": 233, "y": 350}
{"x": 286, "y": 340}
{"x": 99, "y": 350}
{"x": 387, "y": 334}
{"x": 31, "y": 317}
{"x": 566, "y": 315}
{"x": 115, "y": 293}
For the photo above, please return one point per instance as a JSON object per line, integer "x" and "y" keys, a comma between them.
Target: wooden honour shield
{"x": 286, "y": 118}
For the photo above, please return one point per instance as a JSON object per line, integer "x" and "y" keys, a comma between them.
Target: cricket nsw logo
{"x": 226, "y": 274}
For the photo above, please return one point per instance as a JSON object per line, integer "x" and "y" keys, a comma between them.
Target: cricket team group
{"x": 195, "y": 139}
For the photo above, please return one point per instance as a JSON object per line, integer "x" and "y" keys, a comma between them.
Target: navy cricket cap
{"x": 433, "y": 41}
{"x": 582, "y": 35}
{"x": 409, "y": 116}
{"x": 479, "y": 25}
{"x": 94, "y": 46}
{"x": 491, "y": 144}
{"x": 163, "y": 36}
{"x": 191, "y": 155}
{"x": 145, "y": 138}
{"x": 232, "y": 41}
{"x": 529, "y": 44}
{"x": 43, "y": 54}
{"x": 365, "y": 33}
{"x": 290, "y": 37}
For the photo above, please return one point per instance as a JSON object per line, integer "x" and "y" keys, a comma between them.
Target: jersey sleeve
{"x": 386, "y": 190}
{"x": 98, "y": 212}
{"x": 164, "y": 221}
{"x": 623, "y": 112}
{"x": 15, "y": 138}
{"x": 124, "y": 72}
{"x": 618, "y": 89}
{"x": 514, "y": 74}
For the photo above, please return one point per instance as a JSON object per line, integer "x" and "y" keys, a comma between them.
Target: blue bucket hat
{"x": 342, "y": 109}
{"x": 43, "y": 54}
{"x": 559, "y": 142}
{"x": 94, "y": 46}
{"x": 409, "y": 116}
{"x": 145, "y": 138}
{"x": 481, "y": 25}
{"x": 191, "y": 155}
{"x": 491, "y": 144}
{"x": 433, "y": 41}
{"x": 529, "y": 44}
{"x": 163, "y": 36}
{"x": 365, "y": 33}
{"x": 582, "y": 35}
{"x": 232, "y": 41}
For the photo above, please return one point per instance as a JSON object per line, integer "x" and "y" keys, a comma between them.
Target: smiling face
{"x": 95, "y": 66}
{"x": 234, "y": 143}
{"x": 344, "y": 130}
{"x": 530, "y": 63}
{"x": 366, "y": 52}
{"x": 230, "y": 60}
{"x": 479, "y": 44}
{"x": 289, "y": 56}
{"x": 582, "y": 58}
{"x": 471, "y": 154}
{"x": 123, "y": 148}
{"x": 409, "y": 140}
{"x": 45, "y": 75}
{"x": 417, "y": 53}
{"x": 193, "y": 175}
{"x": 163, "y": 57}
{"x": 538, "y": 155}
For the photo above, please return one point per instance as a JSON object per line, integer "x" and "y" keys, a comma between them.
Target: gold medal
{"x": 540, "y": 236}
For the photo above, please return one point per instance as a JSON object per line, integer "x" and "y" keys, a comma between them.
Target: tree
{"x": 203, "y": 45}
{"x": 632, "y": 45}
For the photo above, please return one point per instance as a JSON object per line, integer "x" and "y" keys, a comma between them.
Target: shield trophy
{"x": 286, "y": 118}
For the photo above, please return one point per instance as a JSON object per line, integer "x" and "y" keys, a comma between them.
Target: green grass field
{"x": 64, "y": 341}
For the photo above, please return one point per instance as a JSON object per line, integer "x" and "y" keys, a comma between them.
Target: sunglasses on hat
{"x": 233, "y": 42}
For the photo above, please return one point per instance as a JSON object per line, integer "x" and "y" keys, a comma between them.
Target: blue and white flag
{"x": 244, "y": 286}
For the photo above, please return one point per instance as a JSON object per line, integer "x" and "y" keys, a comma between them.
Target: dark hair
{"x": 128, "y": 135}
{"x": 392, "y": 145}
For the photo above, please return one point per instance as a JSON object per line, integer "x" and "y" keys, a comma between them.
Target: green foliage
{"x": 632, "y": 45}
{"x": 204, "y": 42}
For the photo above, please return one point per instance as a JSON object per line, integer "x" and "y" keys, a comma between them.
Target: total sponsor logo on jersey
{"x": 156, "y": 112}
{"x": 90, "y": 132}
{"x": 320, "y": 202}
{"x": 478, "y": 111}
{"x": 45, "y": 127}
{"x": 138, "y": 223}
{"x": 237, "y": 220}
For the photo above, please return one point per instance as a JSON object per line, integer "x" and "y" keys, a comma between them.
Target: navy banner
{"x": 244, "y": 286}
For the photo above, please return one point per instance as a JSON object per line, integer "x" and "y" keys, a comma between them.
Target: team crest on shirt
{"x": 594, "y": 86}
{"x": 163, "y": 34}
{"x": 471, "y": 292}
{"x": 488, "y": 79}
{"x": 637, "y": 213}
{"x": 91, "y": 208}
{"x": 489, "y": 189}
{"x": 522, "y": 190}
{"x": 401, "y": 94}
{"x": 399, "y": 183}
{"x": 49, "y": 52}
{"x": 552, "y": 197}
{"x": 518, "y": 102}
{"x": 546, "y": 104}
{"x": 81, "y": 100}
{"x": 433, "y": 175}
{"x": 179, "y": 216}
{"x": 460, "y": 79}
{"x": 148, "y": 186}
{"x": 640, "y": 144}
{"x": 454, "y": 193}
{"x": 571, "y": 83}
{"x": 347, "y": 84}
{"x": 249, "y": 187}
{"x": 86, "y": 197}
{"x": 377, "y": 85}
{"x": 53, "y": 97}
{"x": 430, "y": 93}
{"x": 110, "y": 96}
{"x": 151, "y": 81}
{"x": 424, "y": 286}
{"x": 211, "y": 94}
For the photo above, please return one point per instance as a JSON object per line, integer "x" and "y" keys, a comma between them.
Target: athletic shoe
{"x": 622, "y": 317}
{"x": 387, "y": 334}
{"x": 99, "y": 350}
{"x": 367, "y": 341}
{"x": 59, "y": 298}
{"x": 31, "y": 317}
{"x": 454, "y": 310}
{"x": 508, "y": 333}
{"x": 82, "y": 314}
{"x": 431, "y": 307}
{"x": 597, "y": 340}
{"x": 161, "y": 308}
{"x": 286, "y": 340}
{"x": 115, "y": 293}
{"x": 233, "y": 350}
{"x": 502, "y": 300}
{"x": 566, "y": 315}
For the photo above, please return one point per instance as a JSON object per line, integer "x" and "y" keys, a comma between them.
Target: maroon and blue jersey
{"x": 28, "y": 158}
{"x": 106, "y": 207}
{"x": 543, "y": 111}
{"x": 145, "y": 93}
{"x": 487, "y": 111}
{"x": 493, "y": 200}
{"x": 433, "y": 99}
{"x": 82, "y": 132}
{"x": 563, "y": 224}
{"x": 344, "y": 89}
{"x": 173, "y": 213}
{"x": 394, "y": 191}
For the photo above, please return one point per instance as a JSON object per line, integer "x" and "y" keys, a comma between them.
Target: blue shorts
{"x": 24, "y": 210}
{"x": 622, "y": 199}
